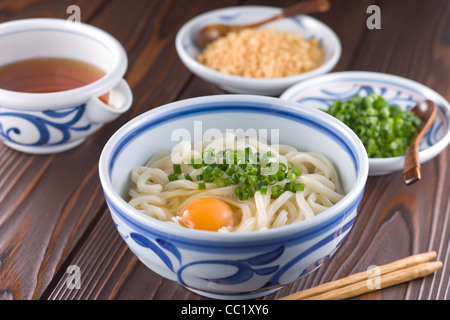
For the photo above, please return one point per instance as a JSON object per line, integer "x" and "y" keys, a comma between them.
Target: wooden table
{"x": 53, "y": 213}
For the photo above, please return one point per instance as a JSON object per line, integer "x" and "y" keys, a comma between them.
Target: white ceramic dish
{"x": 232, "y": 265}
{"x": 321, "y": 91}
{"x": 53, "y": 122}
{"x": 309, "y": 27}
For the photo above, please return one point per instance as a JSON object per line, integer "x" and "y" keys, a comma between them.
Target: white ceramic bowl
{"x": 321, "y": 91}
{"x": 57, "y": 121}
{"x": 309, "y": 27}
{"x": 232, "y": 265}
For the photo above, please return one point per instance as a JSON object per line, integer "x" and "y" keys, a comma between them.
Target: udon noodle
{"x": 153, "y": 193}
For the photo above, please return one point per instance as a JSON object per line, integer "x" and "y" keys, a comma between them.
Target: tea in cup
{"x": 59, "y": 83}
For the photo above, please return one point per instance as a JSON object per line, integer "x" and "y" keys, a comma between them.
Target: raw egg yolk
{"x": 206, "y": 214}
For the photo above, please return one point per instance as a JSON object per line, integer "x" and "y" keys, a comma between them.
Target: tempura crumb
{"x": 263, "y": 53}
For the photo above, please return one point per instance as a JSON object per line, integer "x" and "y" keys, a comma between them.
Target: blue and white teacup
{"x": 43, "y": 123}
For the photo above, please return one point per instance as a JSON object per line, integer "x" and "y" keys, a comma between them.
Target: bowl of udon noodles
{"x": 233, "y": 196}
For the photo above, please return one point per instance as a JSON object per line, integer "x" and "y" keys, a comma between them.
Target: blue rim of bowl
{"x": 232, "y": 103}
{"x": 185, "y": 31}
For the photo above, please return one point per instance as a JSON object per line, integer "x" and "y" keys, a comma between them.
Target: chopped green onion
{"x": 228, "y": 181}
{"x": 277, "y": 190}
{"x": 251, "y": 169}
{"x": 235, "y": 177}
{"x": 385, "y": 130}
{"x": 280, "y": 175}
{"x": 197, "y": 163}
{"x": 272, "y": 179}
{"x": 241, "y": 194}
{"x": 229, "y": 171}
{"x": 247, "y": 171}
{"x": 250, "y": 192}
{"x": 291, "y": 176}
{"x": 264, "y": 159}
{"x": 263, "y": 190}
{"x": 243, "y": 179}
{"x": 288, "y": 186}
{"x": 218, "y": 172}
{"x": 252, "y": 180}
{"x": 202, "y": 186}
{"x": 207, "y": 170}
{"x": 208, "y": 156}
{"x": 176, "y": 168}
{"x": 220, "y": 183}
{"x": 238, "y": 191}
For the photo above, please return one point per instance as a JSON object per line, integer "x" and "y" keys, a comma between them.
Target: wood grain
{"x": 53, "y": 213}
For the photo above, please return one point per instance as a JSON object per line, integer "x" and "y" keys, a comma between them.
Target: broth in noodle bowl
{"x": 170, "y": 182}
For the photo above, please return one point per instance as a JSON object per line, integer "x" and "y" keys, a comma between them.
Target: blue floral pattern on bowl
{"x": 64, "y": 122}
{"x": 272, "y": 267}
{"x": 47, "y": 128}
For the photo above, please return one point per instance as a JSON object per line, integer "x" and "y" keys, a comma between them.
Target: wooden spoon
{"x": 426, "y": 111}
{"x": 212, "y": 32}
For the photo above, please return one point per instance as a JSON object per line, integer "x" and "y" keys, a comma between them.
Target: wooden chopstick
{"x": 387, "y": 280}
{"x": 403, "y": 270}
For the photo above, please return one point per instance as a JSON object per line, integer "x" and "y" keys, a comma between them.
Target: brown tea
{"x": 42, "y": 75}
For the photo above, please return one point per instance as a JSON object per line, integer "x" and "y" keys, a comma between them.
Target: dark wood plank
{"x": 143, "y": 283}
{"x": 395, "y": 220}
{"x": 401, "y": 226}
{"x": 152, "y": 70}
{"x": 40, "y": 217}
{"x": 52, "y": 210}
{"x": 50, "y": 201}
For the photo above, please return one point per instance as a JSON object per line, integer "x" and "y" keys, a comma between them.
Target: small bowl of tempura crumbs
{"x": 233, "y": 196}
{"x": 265, "y": 60}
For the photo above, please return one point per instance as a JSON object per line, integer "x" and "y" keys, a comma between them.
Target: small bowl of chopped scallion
{"x": 385, "y": 130}
{"x": 376, "y": 106}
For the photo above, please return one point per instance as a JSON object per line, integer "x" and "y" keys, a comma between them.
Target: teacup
{"x": 52, "y": 122}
